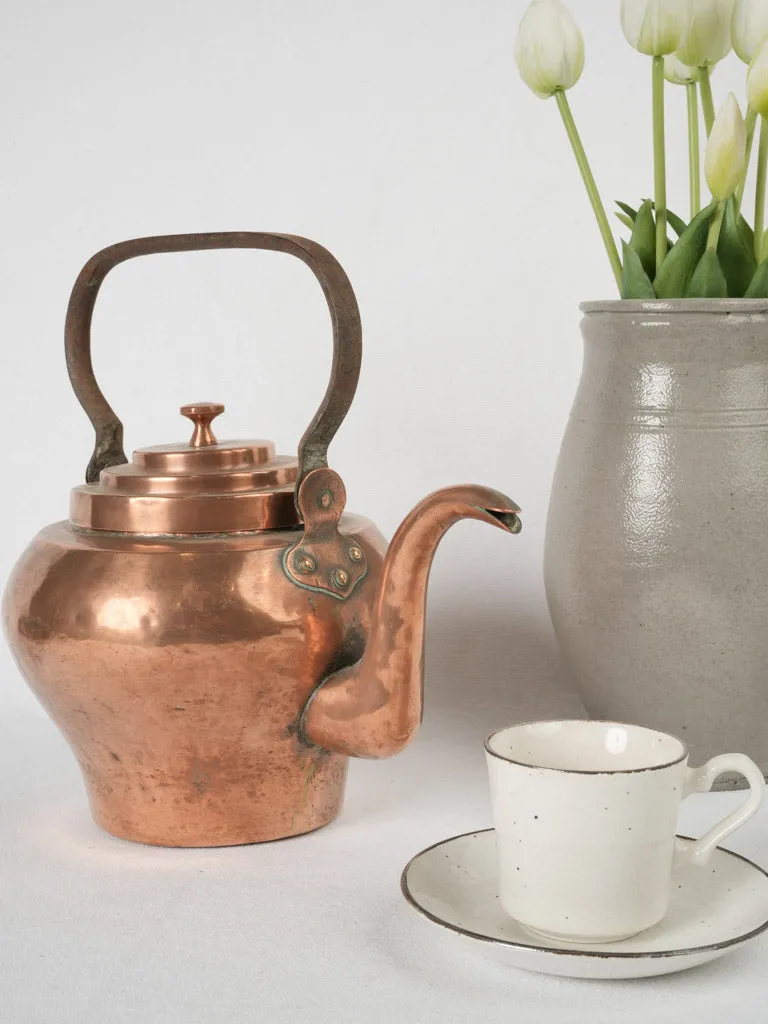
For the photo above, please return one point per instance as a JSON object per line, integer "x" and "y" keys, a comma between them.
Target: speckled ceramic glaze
{"x": 713, "y": 912}
{"x": 585, "y": 816}
{"x": 656, "y": 560}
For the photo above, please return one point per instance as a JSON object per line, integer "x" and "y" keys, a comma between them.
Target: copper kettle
{"x": 210, "y": 630}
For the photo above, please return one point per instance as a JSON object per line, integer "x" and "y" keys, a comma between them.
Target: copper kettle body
{"x": 213, "y": 634}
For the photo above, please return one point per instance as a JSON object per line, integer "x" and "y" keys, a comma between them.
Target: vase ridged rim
{"x": 667, "y": 306}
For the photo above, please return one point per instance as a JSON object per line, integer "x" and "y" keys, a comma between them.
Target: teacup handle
{"x": 701, "y": 780}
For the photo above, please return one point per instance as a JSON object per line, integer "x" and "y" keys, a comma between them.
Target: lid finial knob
{"x": 202, "y": 415}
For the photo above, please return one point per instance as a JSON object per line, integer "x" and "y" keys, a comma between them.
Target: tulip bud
{"x": 678, "y": 73}
{"x": 757, "y": 81}
{"x": 708, "y": 36}
{"x": 549, "y": 50}
{"x": 726, "y": 150}
{"x": 654, "y": 27}
{"x": 749, "y": 27}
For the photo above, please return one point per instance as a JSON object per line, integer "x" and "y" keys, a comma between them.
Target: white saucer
{"x": 714, "y": 909}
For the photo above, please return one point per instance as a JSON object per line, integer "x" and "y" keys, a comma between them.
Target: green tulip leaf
{"x": 736, "y": 258}
{"x": 629, "y": 216}
{"x": 747, "y": 233}
{"x": 630, "y": 211}
{"x": 758, "y": 286}
{"x": 677, "y": 224}
{"x": 643, "y": 239}
{"x": 635, "y": 283}
{"x": 678, "y": 268}
{"x": 708, "y": 281}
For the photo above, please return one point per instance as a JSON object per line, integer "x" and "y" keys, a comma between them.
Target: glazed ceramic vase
{"x": 656, "y": 555}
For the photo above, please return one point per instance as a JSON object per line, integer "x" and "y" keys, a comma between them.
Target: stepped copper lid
{"x": 205, "y": 486}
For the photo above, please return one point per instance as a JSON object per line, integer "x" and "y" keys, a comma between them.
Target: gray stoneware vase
{"x": 656, "y": 555}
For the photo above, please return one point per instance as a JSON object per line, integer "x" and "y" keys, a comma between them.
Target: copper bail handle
{"x": 342, "y": 304}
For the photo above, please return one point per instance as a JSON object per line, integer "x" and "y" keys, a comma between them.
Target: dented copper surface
{"x": 211, "y": 631}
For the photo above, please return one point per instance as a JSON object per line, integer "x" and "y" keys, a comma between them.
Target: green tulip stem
{"x": 714, "y": 228}
{"x": 694, "y": 166}
{"x": 589, "y": 182}
{"x": 707, "y": 103}
{"x": 750, "y": 122}
{"x": 659, "y": 161}
{"x": 762, "y": 167}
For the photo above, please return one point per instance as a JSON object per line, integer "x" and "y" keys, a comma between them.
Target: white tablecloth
{"x": 94, "y": 930}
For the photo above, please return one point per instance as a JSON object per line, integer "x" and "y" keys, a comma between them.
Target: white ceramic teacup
{"x": 585, "y": 816}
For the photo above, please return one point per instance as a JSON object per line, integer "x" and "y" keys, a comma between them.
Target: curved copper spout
{"x": 373, "y": 708}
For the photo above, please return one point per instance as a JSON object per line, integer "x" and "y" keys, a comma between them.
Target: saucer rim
{"x": 599, "y": 954}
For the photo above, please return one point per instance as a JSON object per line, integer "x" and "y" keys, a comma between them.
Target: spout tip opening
{"x": 509, "y": 521}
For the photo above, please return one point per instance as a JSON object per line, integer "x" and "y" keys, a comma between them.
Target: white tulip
{"x": 549, "y": 50}
{"x": 708, "y": 36}
{"x": 749, "y": 27}
{"x": 678, "y": 73}
{"x": 726, "y": 150}
{"x": 654, "y": 27}
{"x": 757, "y": 81}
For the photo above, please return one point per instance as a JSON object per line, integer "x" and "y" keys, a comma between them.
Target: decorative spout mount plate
{"x": 324, "y": 560}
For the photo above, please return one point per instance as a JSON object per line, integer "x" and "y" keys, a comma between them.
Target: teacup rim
{"x": 684, "y": 754}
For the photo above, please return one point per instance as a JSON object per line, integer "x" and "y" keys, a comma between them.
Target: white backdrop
{"x": 399, "y": 136}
